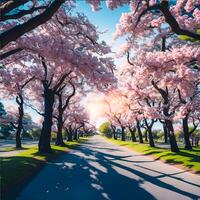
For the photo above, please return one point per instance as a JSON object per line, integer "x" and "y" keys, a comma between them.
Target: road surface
{"x": 100, "y": 170}
{"x": 4, "y": 143}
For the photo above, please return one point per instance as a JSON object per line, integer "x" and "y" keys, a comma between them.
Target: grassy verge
{"x": 17, "y": 170}
{"x": 185, "y": 158}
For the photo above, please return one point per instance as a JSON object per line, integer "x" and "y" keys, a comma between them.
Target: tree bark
{"x": 149, "y": 130}
{"x": 45, "y": 137}
{"x": 186, "y": 133}
{"x": 132, "y": 131}
{"x": 139, "y": 132}
{"x": 18, "y": 133}
{"x": 18, "y": 137}
{"x": 146, "y": 136}
{"x": 75, "y": 134}
{"x": 123, "y": 137}
{"x": 81, "y": 134}
{"x": 151, "y": 140}
{"x": 59, "y": 138}
{"x": 172, "y": 139}
{"x": 114, "y": 132}
{"x": 20, "y": 102}
{"x": 69, "y": 135}
{"x": 165, "y": 133}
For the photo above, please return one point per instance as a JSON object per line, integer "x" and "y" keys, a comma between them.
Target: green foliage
{"x": 194, "y": 133}
{"x": 2, "y": 110}
{"x": 136, "y": 133}
{"x": 5, "y": 129}
{"x": 158, "y": 135}
{"x": 187, "y": 38}
{"x": 53, "y": 136}
{"x": 26, "y": 134}
{"x": 35, "y": 133}
{"x": 105, "y": 128}
{"x": 179, "y": 135}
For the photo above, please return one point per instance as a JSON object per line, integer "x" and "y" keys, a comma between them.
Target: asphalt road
{"x": 100, "y": 170}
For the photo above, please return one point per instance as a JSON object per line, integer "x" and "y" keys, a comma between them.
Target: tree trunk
{"x": 139, "y": 132}
{"x": 186, "y": 133}
{"x": 20, "y": 102}
{"x": 69, "y": 135}
{"x": 45, "y": 137}
{"x": 165, "y": 133}
{"x": 115, "y": 135}
{"x": 151, "y": 141}
{"x": 18, "y": 138}
{"x": 123, "y": 137}
{"x": 146, "y": 136}
{"x": 114, "y": 132}
{"x": 172, "y": 139}
{"x": 192, "y": 141}
{"x": 75, "y": 134}
{"x": 59, "y": 138}
{"x": 132, "y": 131}
{"x": 81, "y": 134}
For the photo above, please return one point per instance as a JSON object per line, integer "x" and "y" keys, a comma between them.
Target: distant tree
{"x": 28, "y": 126}
{"x": 35, "y": 133}
{"x": 5, "y": 129}
{"x": 105, "y": 129}
{"x": 2, "y": 110}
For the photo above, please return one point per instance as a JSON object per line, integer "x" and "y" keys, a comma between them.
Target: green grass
{"x": 17, "y": 170}
{"x": 185, "y": 158}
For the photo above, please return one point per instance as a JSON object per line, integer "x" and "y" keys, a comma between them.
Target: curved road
{"x": 100, "y": 170}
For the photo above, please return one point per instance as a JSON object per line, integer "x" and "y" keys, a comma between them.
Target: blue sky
{"x": 104, "y": 19}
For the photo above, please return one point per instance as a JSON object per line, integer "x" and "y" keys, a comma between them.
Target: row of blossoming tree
{"x": 58, "y": 62}
{"x": 160, "y": 79}
{"x": 52, "y": 57}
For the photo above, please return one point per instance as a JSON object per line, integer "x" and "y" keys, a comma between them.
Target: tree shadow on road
{"x": 93, "y": 175}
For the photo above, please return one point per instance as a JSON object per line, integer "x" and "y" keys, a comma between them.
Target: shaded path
{"x": 100, "y": 170}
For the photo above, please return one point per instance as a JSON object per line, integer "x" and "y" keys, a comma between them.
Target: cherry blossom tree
{"x": 162, "y": 17}
{"x": 76, "y": 119}
{"x": 73, "y": 50}
{"x": 13, "y": 83}
{"x": 187, "y": 112}
{"x": 20, "y": 17}
{"x": 113, "y": 109}
{"x": 63, "y": 103}
{"x": 167, "y": 74}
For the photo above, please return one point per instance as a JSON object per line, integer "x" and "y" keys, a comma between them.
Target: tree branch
{"x": 70, "y": 96}
{"x": 38, "y": 112}
{"x": 9, "y": 53}
{"x": 28, "y": 81}
{"x": 163, "y": 7}
{"x": 128, "y": 58}
{"x": 21, "y": 13}
{"x": 10, "y": 5}
{"x": 18, "y": 30}
{"x": 61, "y": 81}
